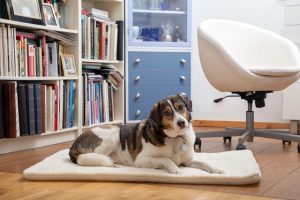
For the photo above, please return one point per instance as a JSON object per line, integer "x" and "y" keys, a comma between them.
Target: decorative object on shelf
{"x": 68, "y": 63}
{"x": 167, "y": 32}
{"x": 155, "y": 4}
{"x": 165, "y": 5}
{"x": 49, "y": 14}
{"x": 25, "y": 11}
{"x": 136, "y": 31}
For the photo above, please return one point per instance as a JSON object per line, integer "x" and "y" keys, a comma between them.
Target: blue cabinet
{"x": 153, "y": 76}
{"x": 158, "y": 53}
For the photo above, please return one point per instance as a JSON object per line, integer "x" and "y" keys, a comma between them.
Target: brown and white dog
{"x": 163, "y": 140}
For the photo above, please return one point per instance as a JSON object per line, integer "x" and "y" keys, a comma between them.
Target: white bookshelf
{"x": 73, "y": 30}
{"x": 24, "y": 25}
{"x": 93, "y": 61}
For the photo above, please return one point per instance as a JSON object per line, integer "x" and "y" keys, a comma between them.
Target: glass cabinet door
{"x": 159, "y": 23}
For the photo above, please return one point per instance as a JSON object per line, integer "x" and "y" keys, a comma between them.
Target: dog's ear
{"x": 186, "y": 101}
{"x": 155, "y": 113}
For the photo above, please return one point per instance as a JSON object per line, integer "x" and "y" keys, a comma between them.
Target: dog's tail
{"x": 94, "y": 159}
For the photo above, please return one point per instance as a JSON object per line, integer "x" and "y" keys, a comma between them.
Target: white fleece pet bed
{"x": 240, "y": 168}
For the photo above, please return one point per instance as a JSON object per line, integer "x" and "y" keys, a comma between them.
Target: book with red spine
{"x": 31, "y": 58}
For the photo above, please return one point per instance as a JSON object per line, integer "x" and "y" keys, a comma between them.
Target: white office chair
{"x": 248, "y": 61}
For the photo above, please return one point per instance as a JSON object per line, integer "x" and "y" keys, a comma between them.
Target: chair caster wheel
{"x": 240, "y": 147}
{"x": 227, "y": 138}
{"x": 284, "y": 141}
{"x": 197, "y": 144}
{"x": 299, "y": 148}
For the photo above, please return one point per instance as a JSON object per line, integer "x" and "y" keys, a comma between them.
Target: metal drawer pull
{"x": 137, "y": 95}
{"x": 138, "y": 112}
{"x": 183, "y": 61}
{"x": 184, "y": 94}
{"x": 182, "y": 77}
{"x": 137, "y": 60}
{"x": 137, "y": 78}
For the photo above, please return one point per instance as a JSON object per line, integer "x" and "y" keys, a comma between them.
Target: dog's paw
{"x": 174, "y": 170}
{"x": 216, "y": 171}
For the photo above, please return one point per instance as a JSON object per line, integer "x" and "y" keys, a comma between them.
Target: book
{"x": 53, "y": 59}
{"x": 30, "y": 108}
{"x": 43, "y": 107}
{"x": 120, "y": 47}
{"x": 10, "y": 118}
{"x": 24, "y": 129}
{"x": 1, "y": 113}
{"x": 37, "y": 109}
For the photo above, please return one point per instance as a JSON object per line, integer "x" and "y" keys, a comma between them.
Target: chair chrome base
{"x": 249, "y": 133}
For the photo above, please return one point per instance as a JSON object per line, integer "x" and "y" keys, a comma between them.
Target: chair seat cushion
{"x": 275, "y": 71}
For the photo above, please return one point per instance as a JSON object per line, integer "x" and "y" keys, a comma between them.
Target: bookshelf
{"x": 72, "y": 30}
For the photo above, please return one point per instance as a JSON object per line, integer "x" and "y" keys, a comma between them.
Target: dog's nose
{"x": 181, "y": 123}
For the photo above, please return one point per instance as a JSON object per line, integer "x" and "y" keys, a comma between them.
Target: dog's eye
{"x": 180, "y": 107}
{"x": 168, "y": 113}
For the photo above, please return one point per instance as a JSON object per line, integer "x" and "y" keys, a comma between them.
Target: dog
{"x": 163, "y": 140}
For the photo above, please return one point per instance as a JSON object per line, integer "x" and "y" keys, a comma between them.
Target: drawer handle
{"x": 138, "y": 112}
{"x": 137, "y": 95}
{"x": 182, "y": 77}
{"x": 137, "y": 78}
{"x": 183, "y": 61}
{"x": 137, "y": 60}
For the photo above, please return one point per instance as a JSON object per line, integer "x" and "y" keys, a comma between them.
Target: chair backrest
{"x": 249, "y": 45}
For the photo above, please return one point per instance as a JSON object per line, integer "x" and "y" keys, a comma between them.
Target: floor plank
{"x": 13, "y": 186}
{"x": 280, "y": 166}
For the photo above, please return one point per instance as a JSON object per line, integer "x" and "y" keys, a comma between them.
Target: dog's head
{"x": 173, "y": 114}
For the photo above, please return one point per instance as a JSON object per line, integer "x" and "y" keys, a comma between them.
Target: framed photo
{"x": 50, "y": 18}
{"x": 29, "y": 11}
{"x": 68, "y": 64}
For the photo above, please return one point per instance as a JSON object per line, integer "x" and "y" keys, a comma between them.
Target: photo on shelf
{"x": 50, "y": 18}
{"x": 68, "y": 63}
{"x": 29, "y": 11}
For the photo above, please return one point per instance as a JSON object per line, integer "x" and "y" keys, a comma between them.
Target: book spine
{"x": 30, "y": 60}
{"x": 30, "y": 108}
{"x": 23, "y": 110}
{"x": 38, "y": 109}
{"x": 43, "y": 107}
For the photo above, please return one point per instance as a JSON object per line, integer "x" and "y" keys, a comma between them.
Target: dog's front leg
{"x": 204, "y": 166}
{"x": 150, "y": 162}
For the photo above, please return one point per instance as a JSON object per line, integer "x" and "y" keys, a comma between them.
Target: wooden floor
{"x": 280, "y": 166}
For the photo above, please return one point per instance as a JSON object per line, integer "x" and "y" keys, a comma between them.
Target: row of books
{"x": 25, "y": 54}
{"x": 34, "y": 108}
{"x": 98, "y": 97}
{"x": 102, "y": 38}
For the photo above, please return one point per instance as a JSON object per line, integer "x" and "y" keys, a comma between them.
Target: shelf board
{"x": 105, "y": 123}
{"x": 43, "y": 134}
{"x": 15, "y": 78}
{"x": 36, "y": 26}
{"x": 93, "y": 61}
{"x": 105, "y": 1}
{"x": 170, "y": 12}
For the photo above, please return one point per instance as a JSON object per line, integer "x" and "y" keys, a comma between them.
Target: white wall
{"x": 268, "y": 14}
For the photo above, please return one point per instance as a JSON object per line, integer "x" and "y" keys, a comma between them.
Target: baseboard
{"x": 239, "y": 124}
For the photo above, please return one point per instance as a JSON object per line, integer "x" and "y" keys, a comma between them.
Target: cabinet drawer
{"x": 152, "y": 94}
{"x": 159, "y": 60}
{"x": 139, "y": 111}
{"x": 159, "y": 77}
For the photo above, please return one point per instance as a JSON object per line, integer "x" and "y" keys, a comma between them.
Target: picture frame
{"x": 49, "y": 15}
{"x": 29, "y": 11}
{"x": 68, "y": 65}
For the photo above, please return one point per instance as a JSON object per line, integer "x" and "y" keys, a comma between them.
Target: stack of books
{"x": 35, "y": 54}
{"x": 34, "y": 108}
{"x": 102, "y": 38}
